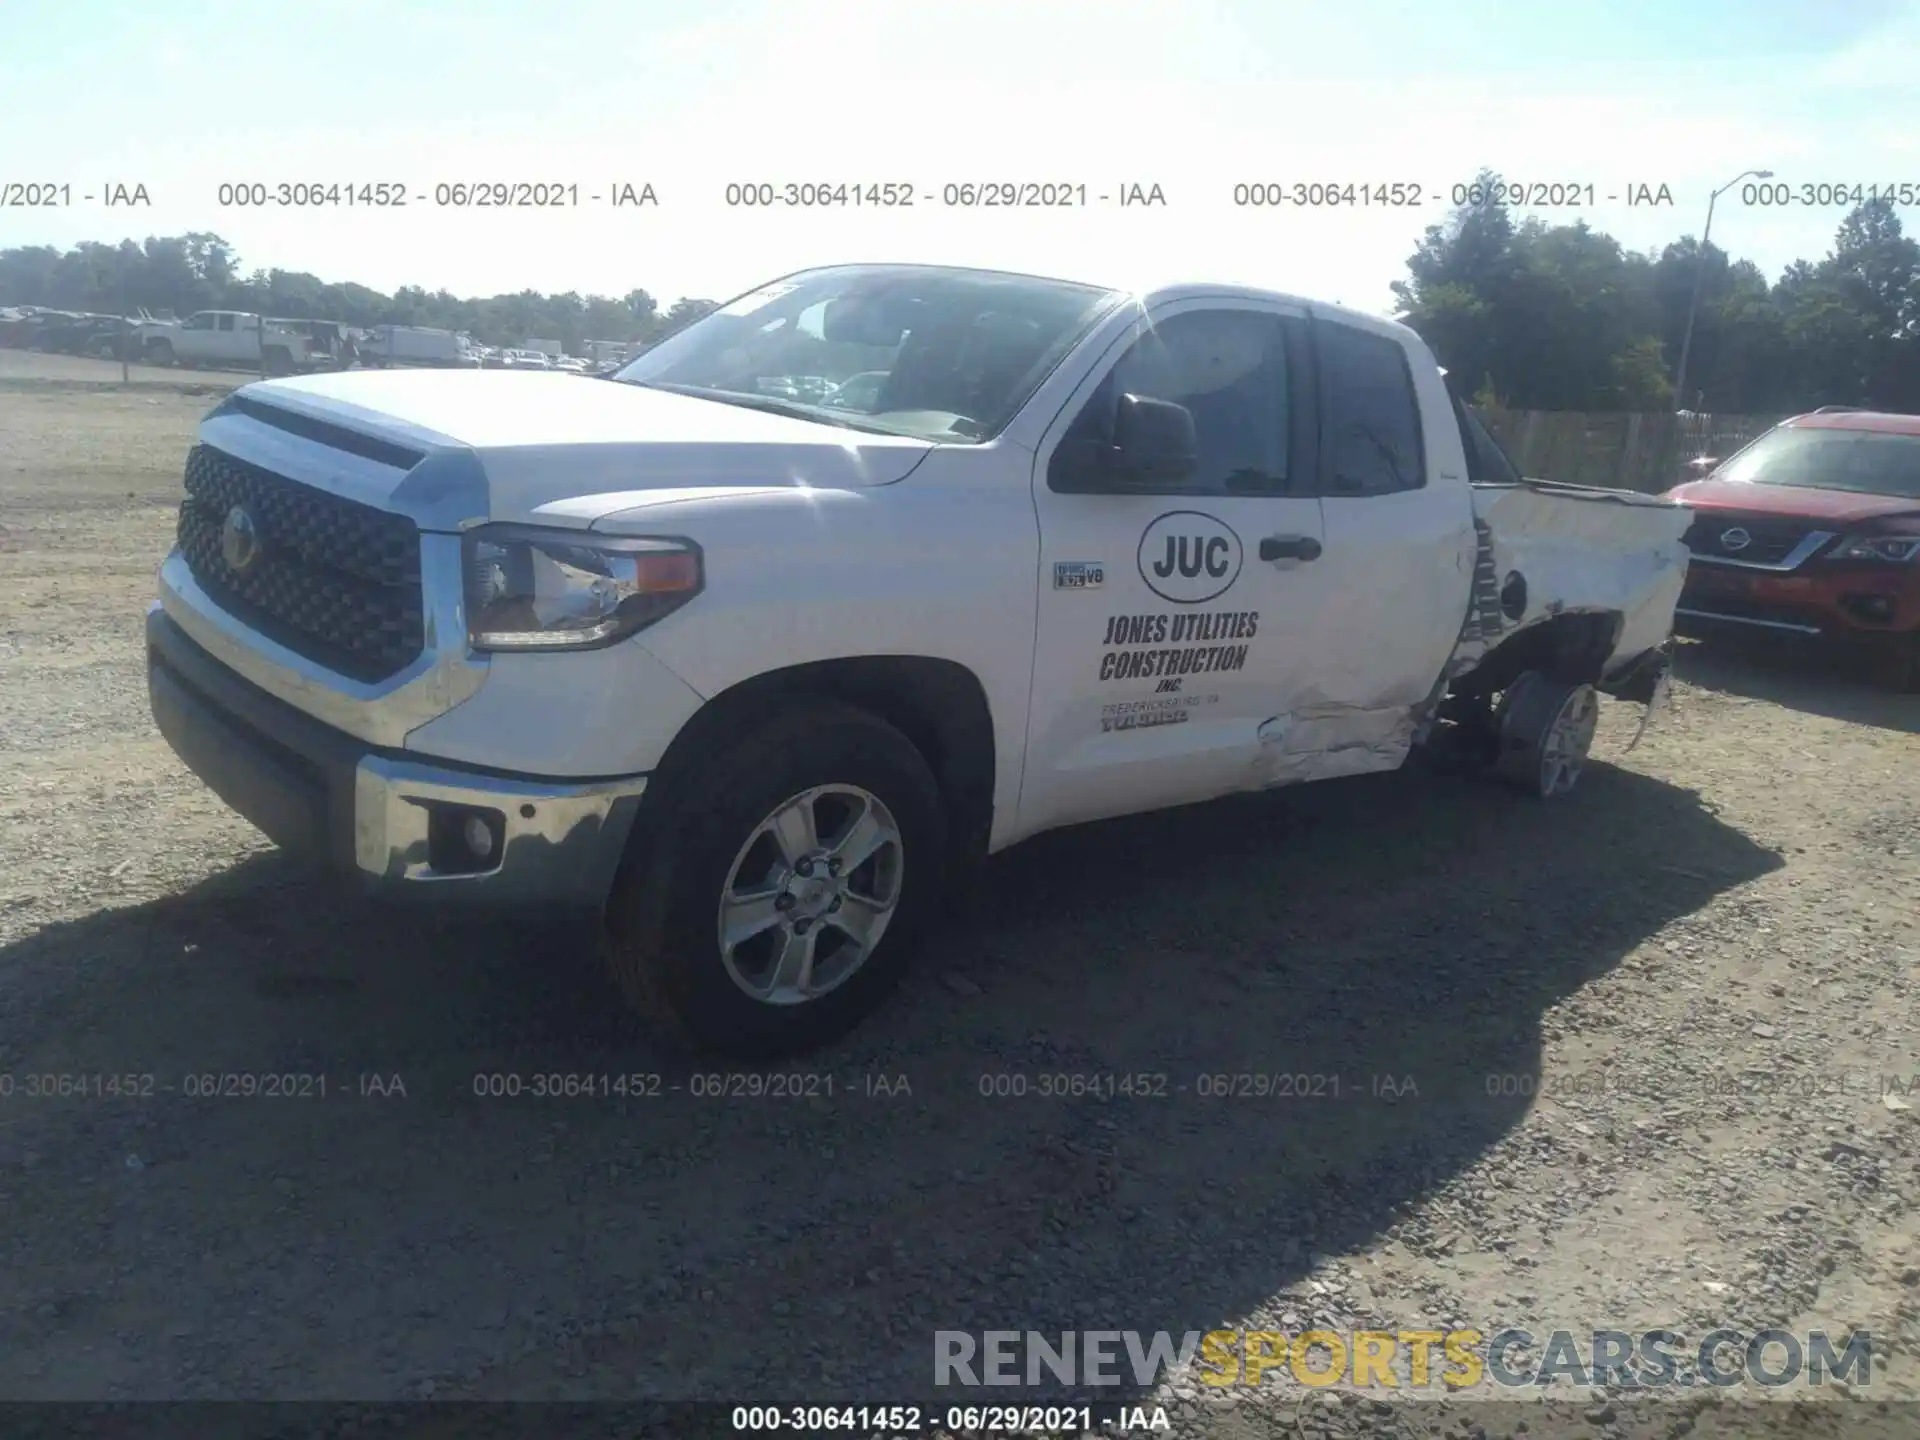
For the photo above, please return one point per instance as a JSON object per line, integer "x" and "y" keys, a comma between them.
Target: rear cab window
{"x": 1487, "y": 462}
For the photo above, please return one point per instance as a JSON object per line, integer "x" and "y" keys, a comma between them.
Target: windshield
{"x": 941, "y": 354}
{"x": 1866, "y": 462}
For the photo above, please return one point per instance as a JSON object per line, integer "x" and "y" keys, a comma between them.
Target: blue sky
{"x": 1190, "y": 95}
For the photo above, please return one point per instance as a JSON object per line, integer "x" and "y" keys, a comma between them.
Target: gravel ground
{"x": 1632, "y": 1056}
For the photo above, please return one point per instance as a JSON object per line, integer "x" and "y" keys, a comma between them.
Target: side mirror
{"x": 1153, "y": 442}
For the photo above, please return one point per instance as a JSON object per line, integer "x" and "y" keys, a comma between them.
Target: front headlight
{"x": 558, "y": 590}
{"x": 1896, "y": 548}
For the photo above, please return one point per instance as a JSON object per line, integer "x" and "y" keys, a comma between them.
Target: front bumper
{"x": 397, "y": 821}
{"x": 1852, "y": 603}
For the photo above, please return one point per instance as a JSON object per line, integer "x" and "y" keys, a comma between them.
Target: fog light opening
{"x": 465, "y": 840}
{"x": 1873, "y": 608}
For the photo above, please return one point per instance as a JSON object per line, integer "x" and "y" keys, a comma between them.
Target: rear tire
{"x": 1546, "y": 731}
{"x": 731, "y": 843}
{"x": 159, "y": 352}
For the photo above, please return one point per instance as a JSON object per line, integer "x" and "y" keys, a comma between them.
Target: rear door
{"x": 198, "y": 339}
{"x": 1398, "y": 569}
{"x": 229, "y": 340}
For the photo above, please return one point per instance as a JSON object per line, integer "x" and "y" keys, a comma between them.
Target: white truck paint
{"x": 224, "y": 339}
{"x": 1088, "y": 553}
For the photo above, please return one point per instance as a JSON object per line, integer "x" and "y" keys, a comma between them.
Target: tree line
{"x": 200, "y": 271}
{"x": 1525, "y": 314}
{"x": 1532, "y": 316}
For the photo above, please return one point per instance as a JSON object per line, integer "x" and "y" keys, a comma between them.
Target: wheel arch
{"x": 940, "y": 706}
{"x": 1572, "y": 645}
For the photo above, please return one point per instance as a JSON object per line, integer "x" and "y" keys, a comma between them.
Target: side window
{"x": 1371, "y": 439}
{"x": 226, "y": 322}
{"x": 202, "y": 321}
{"x": 1229, "y": 369}
{"x": 1487, "y": 463}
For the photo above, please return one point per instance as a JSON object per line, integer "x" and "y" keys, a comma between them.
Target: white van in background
{"x": 399, "y": 345}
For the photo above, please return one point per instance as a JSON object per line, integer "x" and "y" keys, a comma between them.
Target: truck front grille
{"x": 1769, "y": 539}
{"x": 329, "y": 578}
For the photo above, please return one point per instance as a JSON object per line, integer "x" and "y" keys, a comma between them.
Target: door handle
{"x": 1289, "y": 547}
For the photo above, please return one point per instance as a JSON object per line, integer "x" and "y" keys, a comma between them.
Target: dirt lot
{"x": 1635, "y": 1047}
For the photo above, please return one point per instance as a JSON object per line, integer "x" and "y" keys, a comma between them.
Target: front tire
{"x": 1546, "y": 729}
{"x": 777, "y": 895}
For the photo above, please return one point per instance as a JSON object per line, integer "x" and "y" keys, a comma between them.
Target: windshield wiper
{"x": 771, "y": 404}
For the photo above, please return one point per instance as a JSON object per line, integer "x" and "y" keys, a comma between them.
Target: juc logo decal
{"x": 1188, "y": 557}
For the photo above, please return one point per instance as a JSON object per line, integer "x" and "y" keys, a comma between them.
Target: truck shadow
{"x": 1836, "y": 686}
{"x": 1293, "y": 1018}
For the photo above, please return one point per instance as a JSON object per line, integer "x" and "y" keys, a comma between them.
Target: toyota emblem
{"x": 239, "y": 541}
{"x": 1732, "y": 541}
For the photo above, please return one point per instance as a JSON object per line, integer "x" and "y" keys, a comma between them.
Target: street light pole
{"x": 1699, "y": 276}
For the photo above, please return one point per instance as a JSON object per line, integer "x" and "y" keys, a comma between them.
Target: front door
{"x": 1168, "y": 631}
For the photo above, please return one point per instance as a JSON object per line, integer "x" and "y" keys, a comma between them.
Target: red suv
{"x": 1813, "y": 530}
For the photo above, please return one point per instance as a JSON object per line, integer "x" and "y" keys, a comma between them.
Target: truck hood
{"x": 452, "y": 447}
{"x": 1842, "y": 505}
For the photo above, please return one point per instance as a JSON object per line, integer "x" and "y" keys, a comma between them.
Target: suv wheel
{"x": 791, "y": 881}
{"x": 1546, "y": 731}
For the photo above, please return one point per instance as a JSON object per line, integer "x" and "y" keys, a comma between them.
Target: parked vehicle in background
{"x": 527, "y": 360}
{"x": 80, "y": 335}
{"x": 68, "y": 332}
{"x": 21, "y": 324}
{"x": 1813, "y": 532}
{"x": 388, "y": 346}
{"x": 327, "y": 339}
{"x": 113, "y": 335}
{"x": 763, "y": 682}
{"x": 602, "y": 352}
{"x": 552, "y": 349}
{"x": 228, "y": 339}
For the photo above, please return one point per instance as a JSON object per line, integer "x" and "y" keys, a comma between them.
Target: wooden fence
{"x": 1623, "y": 451}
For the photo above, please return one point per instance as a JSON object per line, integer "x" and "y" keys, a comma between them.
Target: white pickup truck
{"x": 760, "y": 679}
{"x": 225, "y": 340}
